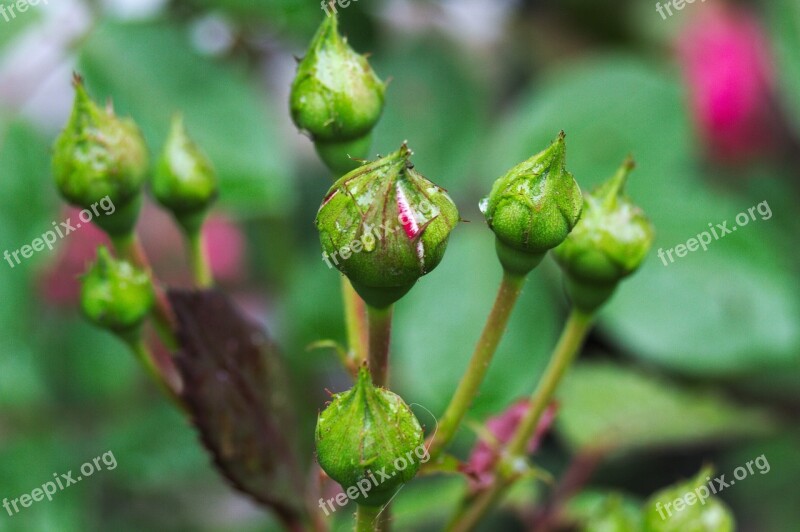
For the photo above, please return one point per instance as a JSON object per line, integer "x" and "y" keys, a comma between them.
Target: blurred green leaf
{"x": 435, "y": 103}
{"x": 150, "y": 71}
{"x": 609, "y": 407}
{"x": 14, "y": 26}
{"x": 729, "y": 309}
{"x": 282, "y": 15}
{"x": 784, "y": 20}
{"x": 25, "y": 198}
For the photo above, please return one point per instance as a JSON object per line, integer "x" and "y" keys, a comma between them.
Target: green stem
{"x": 355, "y": 313}
{"x": 380, "y": 331}
{"x": 575, "y": 330}
{"x": 507, "y": 295}
{"x": 198, "y": 258}
{"x": 569, "y": 345}
{"x": 367, "y": 518}
{"x": 130, "y": 248}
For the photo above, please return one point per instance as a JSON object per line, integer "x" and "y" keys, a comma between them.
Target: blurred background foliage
{"x": 697, "y": 362}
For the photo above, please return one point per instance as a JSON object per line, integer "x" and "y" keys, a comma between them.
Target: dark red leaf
{"x": 235, "y": 388}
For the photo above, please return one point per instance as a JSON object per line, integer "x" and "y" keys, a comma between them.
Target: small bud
{"x": 185, "y": 181}
{"x": 337, "y": 98}
{"x": 115, "y": 295}
{"x": 97, "y": 155}
{"x": 533, "y": 208}
{"x": 706, "y": 513}
{"x": 384, "y": 226}
{"x": 369, "y": 438}
{"x": 608, "y": 244}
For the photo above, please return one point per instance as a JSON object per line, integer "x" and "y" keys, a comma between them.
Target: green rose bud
{"x": 368, "y": 438}
{"x": 97, "y": 155}
{"x": 337, "y": 98}
{"x": 384, "y": 226}
{"x": 115, "y": 295}
{"x": 706, "y": 514}
{"x": 185, "y": 181}
{"x": 608, "y": 244}
{"x": 533, "y": 208}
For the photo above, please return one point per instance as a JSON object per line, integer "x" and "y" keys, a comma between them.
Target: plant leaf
{"x": 234, "y": 389}
{"x": 610, "y": 407}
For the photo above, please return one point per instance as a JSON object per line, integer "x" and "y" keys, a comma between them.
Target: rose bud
{"x": 608, "y": 244}
{"x": 336, "y": 98}
{"x": 369, "y": 439}
{"x": 384, "y": 226}
{"x": 533, "y": 208}
{"x": 100, "y": 155}
{"x": 184, "y": 182}
{"x": 115, "y": 295}
{"x": 709, "y": 512}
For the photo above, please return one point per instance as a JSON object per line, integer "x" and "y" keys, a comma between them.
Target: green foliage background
{"x": 696, "y": 362}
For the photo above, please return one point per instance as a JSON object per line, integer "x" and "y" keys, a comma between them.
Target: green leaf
{"x": 609, "y": 407}
{"x": 783, "y": 17}
{"x": 26, "y": 197}
{"x": 731, "y": 308}
{"x": 222, "y": 107}
{"x": 435, "y": 103}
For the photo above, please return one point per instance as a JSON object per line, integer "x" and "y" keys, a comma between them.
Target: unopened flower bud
{"x": 384, "y": 226}
{"x": 97, "y": 155}
{"x": 115, "y": 295}
{"x": 184, "y": 181}
{"x": 369, "y": 438}
{"x": 708, "y": 514}
{"x": 533, "y": 208}
{"x": 608, "y": 244}
{"x": 336, "y": 98}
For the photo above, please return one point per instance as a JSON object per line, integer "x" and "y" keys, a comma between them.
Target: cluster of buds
{"x": 100, "y": 157}
{"x": 336, "y": 98}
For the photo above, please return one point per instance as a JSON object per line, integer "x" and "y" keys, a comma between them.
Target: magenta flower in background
{"x": 728, "y": 68}
{"x": 481, "y": 462}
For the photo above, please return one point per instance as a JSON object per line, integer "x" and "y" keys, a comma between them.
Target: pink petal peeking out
{"x": 728, "y": 68}
{"x": 479, "y": 467}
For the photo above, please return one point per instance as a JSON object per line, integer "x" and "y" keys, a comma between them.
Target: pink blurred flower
{"x": 727, "y": 65}
{"x": 60, "y": 283}
{"x": 484, "y": 455}
{"x": 225, "y": 246}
